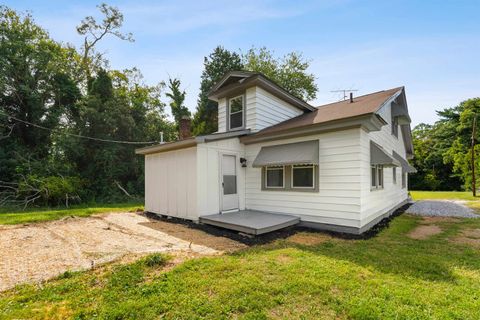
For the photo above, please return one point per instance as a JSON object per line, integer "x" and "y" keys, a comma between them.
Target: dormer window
{"x": 395, "y": 126}
{"x": 235, "y": 112}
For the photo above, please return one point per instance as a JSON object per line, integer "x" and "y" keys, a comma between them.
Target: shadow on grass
{"x": 392, "y": 252}
{"x": 385, "y": 248}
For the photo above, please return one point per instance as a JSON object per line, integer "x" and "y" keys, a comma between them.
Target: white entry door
{"x": 229, "y": 183}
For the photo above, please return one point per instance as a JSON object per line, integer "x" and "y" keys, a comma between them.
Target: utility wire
{"x": 77, "y": 135}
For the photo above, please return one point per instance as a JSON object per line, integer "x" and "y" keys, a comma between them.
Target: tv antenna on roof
{"x": 345, "y": 91}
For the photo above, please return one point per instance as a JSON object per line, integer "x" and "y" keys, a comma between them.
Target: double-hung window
{"x": 376, "y": 177}
{"x": 235, "y": 112}
{"x": 274, "y": 177}
{"x": 303, "y": 176}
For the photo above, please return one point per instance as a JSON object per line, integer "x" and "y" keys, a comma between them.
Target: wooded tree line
{"x": 69, "y": 124}
{"x": 443, "y": 151}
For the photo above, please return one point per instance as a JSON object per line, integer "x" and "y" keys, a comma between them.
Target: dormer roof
{"x": 235, "y": 82}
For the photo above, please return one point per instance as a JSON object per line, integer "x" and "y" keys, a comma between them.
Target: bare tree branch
{"x": 123, "y": 189}
{"x": 9, "y": 133}
{"x": 94, "y": 32}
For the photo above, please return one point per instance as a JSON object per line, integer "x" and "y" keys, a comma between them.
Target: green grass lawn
{"x": 390, "y": 276}
{"x": 443, "y": 195}
{"x": 37, "y": 215}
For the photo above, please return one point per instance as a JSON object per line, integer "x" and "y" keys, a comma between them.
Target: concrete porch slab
{"x": 250, "y": 221}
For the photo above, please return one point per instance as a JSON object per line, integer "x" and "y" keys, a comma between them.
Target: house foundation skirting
{"x": 348, "y": 229}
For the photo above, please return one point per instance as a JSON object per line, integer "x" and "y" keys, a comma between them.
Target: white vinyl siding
{"x": 381, "y": 201}
{"x": 222, "y": 115}
{"x": 265, "y": 110}
{"x": 338, "y": 198}
{"x": 262, "y": 109}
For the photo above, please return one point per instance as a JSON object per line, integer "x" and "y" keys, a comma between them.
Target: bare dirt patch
{"x": 196, "y": 236}
{"x": 309, "y": 239}
{"x": 433, "y": 220}
{"x": 37, "y": 252}
{"x": 423, "y": 232}
{"x": 468, "y": 236}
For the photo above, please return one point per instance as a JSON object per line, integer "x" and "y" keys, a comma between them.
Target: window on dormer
{"x": 235, "y": 111}
{"x": 395, "y": 126}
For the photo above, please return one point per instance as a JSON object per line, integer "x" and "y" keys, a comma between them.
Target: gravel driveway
{"x": 41, "y": 251}
{"x": 441, "y": 208}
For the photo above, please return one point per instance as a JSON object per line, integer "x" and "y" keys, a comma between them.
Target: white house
{"x": 276, "y": 161}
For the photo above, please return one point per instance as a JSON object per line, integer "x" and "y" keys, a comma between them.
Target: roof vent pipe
{"x": 351, "y": 97}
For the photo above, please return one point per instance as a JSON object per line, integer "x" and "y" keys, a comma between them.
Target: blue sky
{"x": 431, "y": 47}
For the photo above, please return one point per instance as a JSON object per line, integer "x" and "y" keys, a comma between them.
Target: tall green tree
{"x": 460, "y": 152}
{"x": 114, "y": 109}
{"x": 216, "y": 65}
{"x": 177, "y": 99}
{"x": 431, "y": 143}
{"x": 290, "y": 71}
{"x": 147, "y": 108}
{"x": 37, "y": 85}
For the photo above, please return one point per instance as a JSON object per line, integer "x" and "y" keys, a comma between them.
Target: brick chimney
{"x": 184, "y": 128}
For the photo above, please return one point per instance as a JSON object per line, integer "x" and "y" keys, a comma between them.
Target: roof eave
{"x": 369, "y": 122}
{"x": 191, "y": 142}
{"x": 244, "y": 74}
{"x": 169, "y": 146}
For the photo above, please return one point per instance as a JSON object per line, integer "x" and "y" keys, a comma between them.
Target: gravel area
{"x": 440, "y": 208}
{"x": 37, "y": 252}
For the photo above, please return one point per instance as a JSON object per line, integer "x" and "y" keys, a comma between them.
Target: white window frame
{"x": 293, "y": 167}
{"x": 379, "y": 183}
{"x": 230, "y": 112}
{"x": 267, "y": 168}
{"x": 404, "y": 179}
